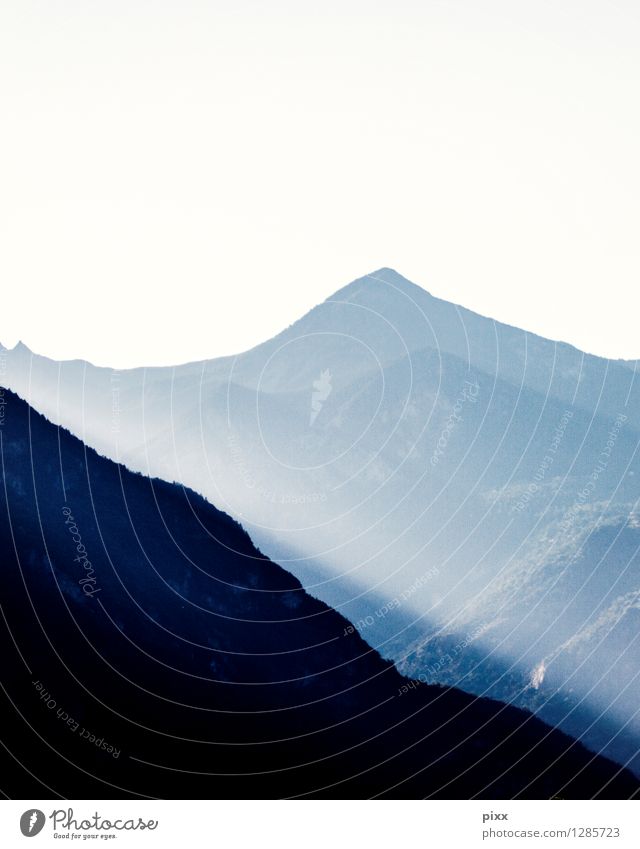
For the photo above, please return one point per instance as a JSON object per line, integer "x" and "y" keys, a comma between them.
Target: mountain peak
{"x": 19, "y": 348}
{"x": 383, "y": 278}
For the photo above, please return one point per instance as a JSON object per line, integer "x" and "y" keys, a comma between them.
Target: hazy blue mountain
{"x": 449, "y": 483}
{"x": 149, "y": 649}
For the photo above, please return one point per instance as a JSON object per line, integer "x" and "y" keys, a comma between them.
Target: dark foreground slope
{"x": 149, "y": 649}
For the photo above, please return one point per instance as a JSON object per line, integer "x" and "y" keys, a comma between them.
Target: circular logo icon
{"x": 32, "y": 822}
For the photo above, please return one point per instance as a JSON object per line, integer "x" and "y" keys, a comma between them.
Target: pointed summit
{"x": 19, "y": 349}
{"x": 382, "y": 280}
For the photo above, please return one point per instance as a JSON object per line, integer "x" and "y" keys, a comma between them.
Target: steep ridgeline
{"x": 463, "y": 491}
{"x": 149, "y": 649}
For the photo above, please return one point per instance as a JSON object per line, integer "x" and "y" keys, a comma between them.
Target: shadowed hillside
{"x": 150, "y": 649}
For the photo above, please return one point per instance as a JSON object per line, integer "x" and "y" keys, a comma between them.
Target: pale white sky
{"x": 183, "y": 179}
